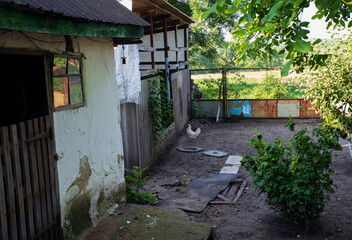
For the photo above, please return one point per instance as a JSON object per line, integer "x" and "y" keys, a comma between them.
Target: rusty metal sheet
{"x": 308, "y": 110}
{"x": 286, "y": 108}
{"x": 265, "y": 108}
{"x": 236, "y": 107}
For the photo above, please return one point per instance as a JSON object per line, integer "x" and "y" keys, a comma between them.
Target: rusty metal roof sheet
{"x": 109, "y": 11}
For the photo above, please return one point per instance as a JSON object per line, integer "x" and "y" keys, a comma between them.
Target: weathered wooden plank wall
{"x": 257, "y": 108}
{"x": 29, "y": 206}
{"x": 181, "y": 94}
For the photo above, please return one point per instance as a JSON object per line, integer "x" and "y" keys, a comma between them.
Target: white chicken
{"x": 191, "y": 134}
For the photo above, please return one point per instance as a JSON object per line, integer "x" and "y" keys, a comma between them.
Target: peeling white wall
{"x": 92, "y": 131}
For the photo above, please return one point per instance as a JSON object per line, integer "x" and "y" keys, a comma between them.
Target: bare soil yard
{"x": 250, "y": 217}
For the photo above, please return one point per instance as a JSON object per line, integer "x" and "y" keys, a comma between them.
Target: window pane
{"x": 60, "y": 87}
{"x": 59, "y": 67}
{"x": 76, "y": 95}
{"x": 73, "y": 66}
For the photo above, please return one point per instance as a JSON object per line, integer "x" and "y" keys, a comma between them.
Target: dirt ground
{"x": 250, "y": 217}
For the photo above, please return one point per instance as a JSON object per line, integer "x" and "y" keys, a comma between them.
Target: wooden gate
{"x": 29, "y": 203}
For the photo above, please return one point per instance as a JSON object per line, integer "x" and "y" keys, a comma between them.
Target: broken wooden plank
{"x": 240, "y": 192}
{"x": 232, "y": 191}
{"x": 223, "y": 193}
{"x": 220, "y": 203}
{"x": 224, "y": 198}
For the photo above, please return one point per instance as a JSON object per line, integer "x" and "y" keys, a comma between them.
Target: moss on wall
{"x": 77, "y": 213}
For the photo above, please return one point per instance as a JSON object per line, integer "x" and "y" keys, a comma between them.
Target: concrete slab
{"x": 215, "y": 153}
{"x": 140, "y": 222}
{"x": 230, "y": 169}
{"x": 233, "y": 160}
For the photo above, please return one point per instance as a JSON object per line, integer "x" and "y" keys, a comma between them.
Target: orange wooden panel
{"x": 264, "y": 108}
{"x": 308, "y": 110}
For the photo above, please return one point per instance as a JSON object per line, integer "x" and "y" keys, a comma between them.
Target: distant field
{"x": 253, "y": 75}
{"x": 249, "y": 85}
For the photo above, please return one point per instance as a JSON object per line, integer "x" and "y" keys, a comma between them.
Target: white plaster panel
{"x": 92, "y": 131}
{"x": 180, "y": 43}
{"x": 159, "y": 43}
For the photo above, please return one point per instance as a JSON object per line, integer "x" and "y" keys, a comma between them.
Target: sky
{"x": 317, "y": 27}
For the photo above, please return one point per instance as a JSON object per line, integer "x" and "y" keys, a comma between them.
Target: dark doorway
{"x": 29, "y": 195}
{"x": 23, "y": 88}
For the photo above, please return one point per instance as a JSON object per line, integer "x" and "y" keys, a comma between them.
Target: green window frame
{"x": 67, "y": 83}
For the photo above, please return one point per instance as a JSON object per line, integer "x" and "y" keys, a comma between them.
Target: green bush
{"x": 295, "y": 175}
{"x": 135, "y": 192}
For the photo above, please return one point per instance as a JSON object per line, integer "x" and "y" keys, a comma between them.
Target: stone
{"x": 215, "y": 153}
{"x": 162, "y": 223}
{"x": 189, "y": 149}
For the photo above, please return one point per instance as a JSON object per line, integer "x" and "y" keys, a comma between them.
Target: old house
{"x": 60, "y": 136}
{"x": 164, "y": 46}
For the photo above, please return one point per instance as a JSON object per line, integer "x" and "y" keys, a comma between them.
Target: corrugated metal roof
{"x": 109, "y": 11}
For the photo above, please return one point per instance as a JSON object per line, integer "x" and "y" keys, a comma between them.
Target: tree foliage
{"x": 207, "y": 45}
{"x": 266, "y": 24}
{"x": 330, "y": 87}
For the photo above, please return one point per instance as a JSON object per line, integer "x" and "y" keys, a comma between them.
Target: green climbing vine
{"x": 160, "y": 107}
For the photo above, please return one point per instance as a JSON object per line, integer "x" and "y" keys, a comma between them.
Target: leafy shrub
{"x": 135, "y": 192}
{"x": 295, "y": 175}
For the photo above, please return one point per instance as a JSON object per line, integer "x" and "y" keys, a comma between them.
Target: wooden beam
{"x": 151, "y": 29}
{"x": 36, "y": 22}
{"x": 172, "y": 28}
{"x": 169, "y": 23}
{"x": 161, "y": 17}
{"x": 142, "y": 48}
{"x": 126, "y": 41}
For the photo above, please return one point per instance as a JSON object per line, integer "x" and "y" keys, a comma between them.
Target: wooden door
{"x": 29, "y": 200}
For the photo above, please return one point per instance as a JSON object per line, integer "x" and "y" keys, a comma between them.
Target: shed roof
{"x": 155, "y": 7}
{"x": 107, "y": 11}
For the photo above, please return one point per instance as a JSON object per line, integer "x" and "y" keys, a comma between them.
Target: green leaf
{"x": 321, "y": 4}
{"x": 221, "y": 3}
{"x": 268, "y": 28}
{"x": 350, "y": 24}
{"x": 210, "y": 10}
{"x": 272, "y": 12}
{"x": 231, "y": 10}
{"x": 303, "y": 46}
{"x": 285, "y": 70}
{"x": 240, "y": 32}
{"x": 317, "y": 41}
{"x": 302, "y": 33}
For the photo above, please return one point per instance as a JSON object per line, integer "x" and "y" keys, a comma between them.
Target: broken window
{"x": 67, "y": 81}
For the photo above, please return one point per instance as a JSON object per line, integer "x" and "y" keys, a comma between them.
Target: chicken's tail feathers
{"x": 198, "y": 130}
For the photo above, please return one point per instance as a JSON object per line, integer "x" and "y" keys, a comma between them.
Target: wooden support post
{"x": 151, "y": 29}
{"x": 176, "y": 45}
{"x": 224, "y": 94}
{"x": 166, "y": 53}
